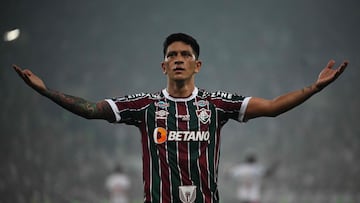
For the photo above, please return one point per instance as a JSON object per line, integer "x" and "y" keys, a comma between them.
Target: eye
{"x": 186, "y": 54}
{"x": 171, "y": 54}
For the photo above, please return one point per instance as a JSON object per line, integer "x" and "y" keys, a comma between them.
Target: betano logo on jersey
{"x": 161, "y": 135}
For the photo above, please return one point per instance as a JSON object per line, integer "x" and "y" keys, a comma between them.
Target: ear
{"x": 163, "y": 67}
{"x": 198, "y": 64}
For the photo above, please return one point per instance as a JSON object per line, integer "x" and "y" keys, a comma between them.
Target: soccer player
{"x": 118, "y": 185}
{"x": 180, "y": 125}
{"x": 249, "y": 175}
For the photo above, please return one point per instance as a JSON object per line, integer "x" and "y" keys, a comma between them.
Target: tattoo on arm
{"x": 81, "y": 107}
{"x": 304, "y": 89}
{"x": 312, "y": 90}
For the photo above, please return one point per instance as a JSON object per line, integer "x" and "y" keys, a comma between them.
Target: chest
{"x": 187, "y": 115}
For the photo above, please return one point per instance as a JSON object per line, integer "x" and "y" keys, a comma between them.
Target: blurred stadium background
{"x": 100, "y": 49}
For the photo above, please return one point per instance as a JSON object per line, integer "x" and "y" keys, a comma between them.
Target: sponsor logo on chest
{"x": 161, "y": 135}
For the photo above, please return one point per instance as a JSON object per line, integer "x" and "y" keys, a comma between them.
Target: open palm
{"x": 328, "y": 74}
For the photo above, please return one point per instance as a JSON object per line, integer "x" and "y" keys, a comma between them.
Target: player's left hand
{"x": 328, "y": 74}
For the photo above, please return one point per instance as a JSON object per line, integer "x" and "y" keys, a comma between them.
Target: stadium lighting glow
{"x": 11, "y": 35}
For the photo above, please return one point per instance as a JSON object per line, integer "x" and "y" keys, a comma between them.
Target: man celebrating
{"x": 180, "y": 125}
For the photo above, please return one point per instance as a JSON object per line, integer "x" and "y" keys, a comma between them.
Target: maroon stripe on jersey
{"x": 183, "y": 147}
{"x": 226, "y": 105}
{"x": 164, "y": 166}
{"x": 204, "y": 173}
{"x": 146, "y": 163}
{"x": 165, "y": 179}
{"x": 136, "y": 103}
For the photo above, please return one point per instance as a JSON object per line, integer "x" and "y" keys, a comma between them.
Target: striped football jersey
{"x": 180, "y": 141}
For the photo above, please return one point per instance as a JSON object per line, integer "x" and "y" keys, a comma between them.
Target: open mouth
{"x": 179, "y": 68}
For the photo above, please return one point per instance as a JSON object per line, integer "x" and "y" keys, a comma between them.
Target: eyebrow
{"x": 184, "y": 52}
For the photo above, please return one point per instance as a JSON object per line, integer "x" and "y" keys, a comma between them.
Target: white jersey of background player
{"x": 118, "y": 185}
{"x": 249, "y": 175}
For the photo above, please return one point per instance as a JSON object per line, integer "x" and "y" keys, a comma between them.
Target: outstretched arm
{"x": 76, "y": 105}
{"x": 258, "y": 107}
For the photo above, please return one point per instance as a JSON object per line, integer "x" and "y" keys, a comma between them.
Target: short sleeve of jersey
{"x": 114, "y": 109}
{"x": 243, "y": 107}
{"x": 232, "y": 106}
{"x": 129, "y": 109}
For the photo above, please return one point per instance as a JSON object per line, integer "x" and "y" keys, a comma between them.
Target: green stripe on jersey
{"x": 173, "y": 153}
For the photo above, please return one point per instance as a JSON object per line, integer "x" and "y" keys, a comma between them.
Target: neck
{"x": 180, "y": 89}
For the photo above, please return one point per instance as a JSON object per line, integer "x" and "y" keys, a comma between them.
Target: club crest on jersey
{"x": 203, "y": 115}
{"x": 187, "y": 194}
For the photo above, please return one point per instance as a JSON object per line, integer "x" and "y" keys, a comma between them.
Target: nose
{"x": 178, "y": 62}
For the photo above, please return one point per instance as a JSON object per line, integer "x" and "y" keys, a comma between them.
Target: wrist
{"x": 315, "y": 88}
{"x": 44, "y": 92}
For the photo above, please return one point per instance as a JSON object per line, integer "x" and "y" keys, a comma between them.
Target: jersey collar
{"x": 192, "y": 96}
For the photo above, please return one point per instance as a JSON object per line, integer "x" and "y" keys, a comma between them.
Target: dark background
{"x": 101, "y": 49}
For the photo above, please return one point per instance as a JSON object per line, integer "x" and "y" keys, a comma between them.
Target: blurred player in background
{"x": 118, "y": 185}
{"x": 249, "y": 176}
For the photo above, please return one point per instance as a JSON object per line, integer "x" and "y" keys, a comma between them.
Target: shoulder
{"x": 223, "y": 95}
{"x": 139, "y": 96}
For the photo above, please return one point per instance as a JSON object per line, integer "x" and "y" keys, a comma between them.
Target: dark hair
{"x": 250, "y": 158}
{"x": 187, "y": 39}
{"x": 118, "y": 169}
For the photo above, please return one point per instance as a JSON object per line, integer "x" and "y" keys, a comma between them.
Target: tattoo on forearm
{"x": 77, "y": 105}
{"x": 304, "y": 89}
{"x": 310, "y": 88}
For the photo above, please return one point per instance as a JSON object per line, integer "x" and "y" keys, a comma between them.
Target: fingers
{"x": 24, "y": 74}
{"x": 18, "y": 70}
{"x": 330, "y": 64}
{"x": 340, "y": 69}
{"x": 27, "y": 73}
{"x": 343, "y": 66}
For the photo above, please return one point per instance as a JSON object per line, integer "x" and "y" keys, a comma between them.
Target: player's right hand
{"x": 31, "y": 79}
